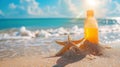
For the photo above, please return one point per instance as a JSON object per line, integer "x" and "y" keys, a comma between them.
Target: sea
{"x": 37, "y": 36}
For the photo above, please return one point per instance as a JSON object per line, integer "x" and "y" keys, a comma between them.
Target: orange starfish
{"x": 68, "y": 44}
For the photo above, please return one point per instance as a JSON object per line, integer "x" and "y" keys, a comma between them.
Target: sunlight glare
{"x": 92, "y": 3}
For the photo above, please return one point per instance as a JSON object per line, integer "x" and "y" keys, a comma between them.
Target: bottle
{"x": 91, "y": 28}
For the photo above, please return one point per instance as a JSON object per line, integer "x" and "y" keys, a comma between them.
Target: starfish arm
{"x": 61, "y": 43}
{"x": 63, "y": 50}
{"x": 78, "y": 41}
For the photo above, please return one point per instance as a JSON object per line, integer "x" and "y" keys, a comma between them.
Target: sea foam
{"x": 108, "y": 33}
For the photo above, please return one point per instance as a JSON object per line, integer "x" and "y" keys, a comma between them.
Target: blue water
{"x": 48, "y": 23}
{"x": 34, "y": 23}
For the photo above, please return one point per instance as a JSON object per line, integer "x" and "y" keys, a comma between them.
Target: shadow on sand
{"x": 68, "y": 58}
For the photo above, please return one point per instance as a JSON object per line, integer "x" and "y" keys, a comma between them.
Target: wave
{"x": 107, "y": 33}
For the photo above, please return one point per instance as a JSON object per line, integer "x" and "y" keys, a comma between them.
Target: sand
{"x": 110, "y": 58}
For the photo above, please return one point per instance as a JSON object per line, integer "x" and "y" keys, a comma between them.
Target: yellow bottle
{"x": 91, "y": 28}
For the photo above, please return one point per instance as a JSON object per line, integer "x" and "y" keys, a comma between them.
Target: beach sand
{"x": 110, "y": 58}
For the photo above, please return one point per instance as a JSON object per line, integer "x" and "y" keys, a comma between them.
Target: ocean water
{"x": 24, "y": 37}
{"x": 43, "y": 23}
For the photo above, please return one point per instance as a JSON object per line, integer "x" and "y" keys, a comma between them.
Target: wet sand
{"x": 110, "y": 58}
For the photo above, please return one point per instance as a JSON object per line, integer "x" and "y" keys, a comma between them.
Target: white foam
{"x": 25, "y": 32}
{"x": 14, "y": 37}
{"x": 62, "y": 31}
{"x": 107, "y": 33}
{"x": 45, "y": 34}
{"x": 76, "y": 30}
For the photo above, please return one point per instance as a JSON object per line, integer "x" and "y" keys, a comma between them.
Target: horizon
{"x": 61, "y": 18}
{"x": 58, "y": 8}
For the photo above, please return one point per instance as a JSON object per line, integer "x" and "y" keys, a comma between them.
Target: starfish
{"x": 82, "y": 44}
{"x": 68, "y": 44}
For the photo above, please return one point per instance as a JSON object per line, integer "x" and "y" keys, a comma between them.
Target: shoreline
{"x": 110, "y": 58}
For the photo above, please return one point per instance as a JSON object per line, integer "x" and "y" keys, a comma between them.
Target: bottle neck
{"x": 90, "y": 13}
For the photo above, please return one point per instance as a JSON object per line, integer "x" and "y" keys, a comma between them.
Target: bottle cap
{"x": 90, "y": 13}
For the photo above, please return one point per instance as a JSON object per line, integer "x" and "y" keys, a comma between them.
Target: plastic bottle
{"x": 91, "y": 28}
